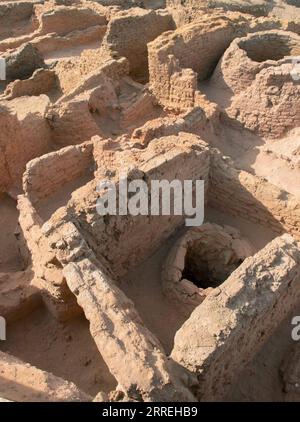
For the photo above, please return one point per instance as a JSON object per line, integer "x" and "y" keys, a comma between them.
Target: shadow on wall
{"x": 253, "y": 198}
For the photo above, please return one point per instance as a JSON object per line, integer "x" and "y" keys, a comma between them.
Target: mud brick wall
{"x": 183, "y": 85}
{"x": 49, "y": 42}
{"x": 125, "y": 37}
{"x": 140, "y": 366}
{"x": 122, "y": 242}
{"x": 141, "y": 108}
{"x": 24, "y": 135}
{"x": 293, "y": 26}
{"x": 72, "y": 122}
{"x": 46, "y": 174}
{"x": 41, "y": 81}
{"x": 30, "y": 227}
{"x": 66, "y": 19}
{"x": 16, "y": 11}
{"x": 193, "y": 121}
{"x": 48, "y": 278}
{"x": 270, "y": 106}
{"x": 4, "y": 176}
{"x": 252, "y": 198}
{"x": 196, "y": 46}
{"x": 173, "y": 86}
{"x": 185, "y": 48}
{"x": 110, "y": 68}
{"x": 257, "y": 8}
{"x": 226, "y": 331}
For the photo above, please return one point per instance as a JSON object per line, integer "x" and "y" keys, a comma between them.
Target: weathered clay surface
{"x": 242, "y": 309}
{"x": 138, "y": 306}
{"x": 36, "y": 386}
{"x": 207, "y": 255}
{"x": 23, "y": 62}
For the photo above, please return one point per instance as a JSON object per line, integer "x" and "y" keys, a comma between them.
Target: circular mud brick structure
{"x": 246, "y": 57}
{"x": 202, "y": 260}
{"x": 269, "y": 107}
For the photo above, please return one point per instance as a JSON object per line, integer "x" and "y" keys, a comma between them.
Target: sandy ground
{"x": 66, "y": 350}
{"x": 161, "y": 315}
{"x": 69, "y": 52}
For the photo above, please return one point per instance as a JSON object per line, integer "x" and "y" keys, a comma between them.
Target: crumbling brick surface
{"x": 246, "y": 195}
{"x": 133, "y": 355}
{"x": 210, "y": 253}
{"x": 149, "y": 90}
{"x": 242, "y": 310}
{"x": 25, "y": 135}
{"x": 23, "y": 62}
{"x": 118, "y": 241}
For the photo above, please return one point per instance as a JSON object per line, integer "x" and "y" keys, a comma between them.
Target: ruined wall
{"x": 12, "y": 13}
{"x": 38, "y": 255}
{"x": 193, "y": 121}
{"x": 87, "y": 76}
{"x": 271, "y": 105}
{"x": 51, "y": 42}
{"x": 179, "y": 59}
{"x": 71, "y": 122}
{"x": 187, "y": 48}
{"x": 41, "y": 82}
{"x": 248, "y": 56}
{"x": 46, "y": 174}
{"x": 121, "y": 242}
{"x": 25, "y": 135}
{"x": 16, "y": 11}
{"x": 22, "y": 62}
{"x": 63, "y": 19}
{"x": 65, "y": 26}
{"x": 142, "y": 107}
{"x": 251, "y": 197}
{"x": 124, "y": 35}
{"x": 140, "y": 366}
{"x": 223, "y": 333}
{"x": 190, "y": 7}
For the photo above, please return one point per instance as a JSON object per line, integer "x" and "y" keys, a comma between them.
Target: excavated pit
{"x": 208, "y": 262}
{"x": 270, "y": 47}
